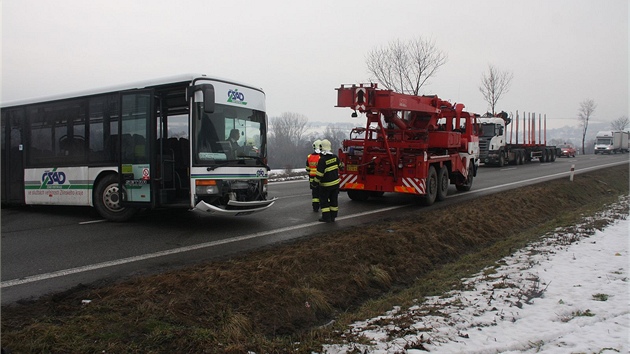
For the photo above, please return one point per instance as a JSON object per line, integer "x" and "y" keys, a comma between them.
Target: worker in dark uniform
{"x": 327, "y": 177}
{"x": 311, "y": 168}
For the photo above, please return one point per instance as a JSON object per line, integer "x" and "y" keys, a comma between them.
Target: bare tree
{"x": 285, "y": 140}
{"x": 587, "y": 107}
{"x": 559, "y": 141}
{"x": 405, "y": 66}
{"x": 494, "y": 84}
{"x": 290, "y": 126}
{"x": 620, "y": 123}
{"x": 335, "y": 135}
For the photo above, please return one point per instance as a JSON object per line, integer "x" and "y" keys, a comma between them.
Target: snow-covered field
{"x": 284, "y": 175}
{"x": 566, "y": 294}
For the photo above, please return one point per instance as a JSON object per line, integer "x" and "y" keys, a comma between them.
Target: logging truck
{"x": 498, "y": 146}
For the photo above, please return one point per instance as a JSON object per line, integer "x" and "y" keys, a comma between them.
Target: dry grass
{"x": 275, "y": 300}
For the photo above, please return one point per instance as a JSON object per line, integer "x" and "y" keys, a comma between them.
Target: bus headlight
{"x": 206, "y": 186}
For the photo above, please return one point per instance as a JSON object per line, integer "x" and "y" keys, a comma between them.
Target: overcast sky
{"x": 561, "y": 52}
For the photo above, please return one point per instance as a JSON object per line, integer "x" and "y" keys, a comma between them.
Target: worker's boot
{"x": 315, "y": 207}
{"x": 325, "y": 217}
{"x": 333, "y": 215}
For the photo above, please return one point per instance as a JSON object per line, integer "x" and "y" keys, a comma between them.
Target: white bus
{"x": 158, "y": 144}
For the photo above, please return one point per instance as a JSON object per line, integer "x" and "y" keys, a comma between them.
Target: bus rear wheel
{"x": 107, "y": 200}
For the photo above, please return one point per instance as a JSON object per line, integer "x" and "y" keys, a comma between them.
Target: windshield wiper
{"x": 241, "y": 160}
{"x": 259, "y": 160}
{"x": 225, "y": 163}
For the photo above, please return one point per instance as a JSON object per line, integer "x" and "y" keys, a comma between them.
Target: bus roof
{"x": 128, "y": 86}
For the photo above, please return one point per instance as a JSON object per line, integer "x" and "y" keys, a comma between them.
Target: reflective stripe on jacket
{"x": 328, "y": 170}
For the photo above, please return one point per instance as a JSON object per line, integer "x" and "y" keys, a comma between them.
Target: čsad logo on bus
{"x": 52, "y": 177}
{"x": 236, "y": 97}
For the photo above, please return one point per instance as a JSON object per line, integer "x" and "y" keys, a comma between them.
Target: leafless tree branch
{"x": 494, "y": 84}
{"x": 405, "y": 66}
{"x": 286, "y": 138}
{"x": 621, "y": 123}
{"x": 587, "y": 107}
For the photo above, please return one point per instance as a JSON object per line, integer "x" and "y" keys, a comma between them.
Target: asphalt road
{"x": 49, "y": 249}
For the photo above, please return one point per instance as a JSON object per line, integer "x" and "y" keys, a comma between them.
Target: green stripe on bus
{"x": 73, "y": 186}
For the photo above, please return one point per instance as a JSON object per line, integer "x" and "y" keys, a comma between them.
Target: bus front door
{"x": 137, "y": 126}
{"x": 12, "y": 157}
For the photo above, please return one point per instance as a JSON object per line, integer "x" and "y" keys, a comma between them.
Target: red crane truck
{"x": 411, "y": 144}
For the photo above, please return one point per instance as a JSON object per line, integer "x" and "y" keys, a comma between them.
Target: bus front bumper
{"x": 236, "y": 208}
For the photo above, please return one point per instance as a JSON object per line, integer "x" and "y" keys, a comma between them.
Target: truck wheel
{"x": 501, "y": 160}
{"x": 107, "y": 200}
{"x": 467, "y": 185}
{"x": 443, "y": 183}
{"x": 359, "y": 196}
{"x": 543, "y": 156}
{"x": 431, "y": 187}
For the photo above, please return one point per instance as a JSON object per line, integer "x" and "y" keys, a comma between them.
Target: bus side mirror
{"x": 208, "y": 98}
{"x": 207, "y": 91}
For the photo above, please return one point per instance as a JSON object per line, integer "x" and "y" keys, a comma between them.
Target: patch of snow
{"x": 567, "y": 293}
{"x": 284, "y": 175}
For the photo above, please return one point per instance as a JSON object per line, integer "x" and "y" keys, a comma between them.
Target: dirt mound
{"x": 267, "y": 299}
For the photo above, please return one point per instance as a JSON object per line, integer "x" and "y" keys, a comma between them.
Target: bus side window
{"x": 112, "y": 147}
{"x": 71, "y": 146}
{"x": 40, "y": 137}
{"x": 139, "y": 148}
{"x": 127, "y": 148}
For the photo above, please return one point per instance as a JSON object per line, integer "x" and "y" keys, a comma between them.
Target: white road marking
{"x": 296, "y": 196}
{"x": 537, "y": 178}
{"x": 60, "y": 273}
{"x": 92, "y": 222}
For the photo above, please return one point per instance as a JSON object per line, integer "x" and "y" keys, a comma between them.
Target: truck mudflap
{"x": 237, "y": 208}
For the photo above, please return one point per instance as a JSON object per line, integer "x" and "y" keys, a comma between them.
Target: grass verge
{"x": 294, "y": 297}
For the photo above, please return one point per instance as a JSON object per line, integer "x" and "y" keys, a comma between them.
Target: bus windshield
{"x": 228, "y": 135}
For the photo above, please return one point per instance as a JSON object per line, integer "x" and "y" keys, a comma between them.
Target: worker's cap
{"x": 325, "y": 145}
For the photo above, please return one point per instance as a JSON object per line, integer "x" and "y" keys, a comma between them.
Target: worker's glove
{"x": 314, "y": 185}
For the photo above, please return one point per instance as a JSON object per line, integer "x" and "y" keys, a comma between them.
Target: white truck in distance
{"x": 611, "y": 142}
